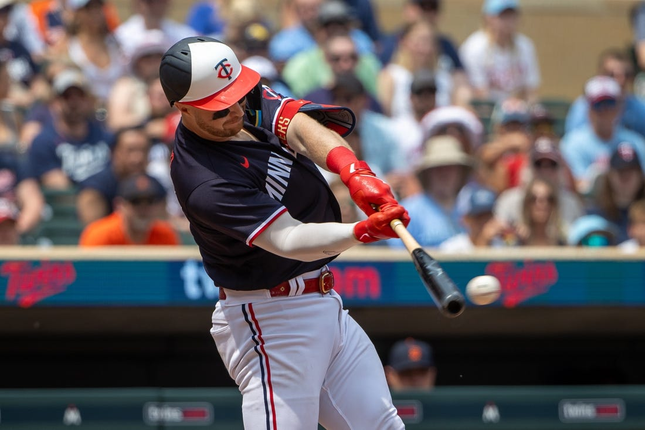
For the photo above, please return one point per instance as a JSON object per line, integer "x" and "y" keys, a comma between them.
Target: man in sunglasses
{"x": 587, "y": 148}
{"x": 267, "y": 224}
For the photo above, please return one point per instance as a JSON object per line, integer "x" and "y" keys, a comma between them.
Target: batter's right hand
{"x": 377, "y": 226}
{"x": 366, "y": 189}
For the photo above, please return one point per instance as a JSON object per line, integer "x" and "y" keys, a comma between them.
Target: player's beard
{"x": 227, "y": 129}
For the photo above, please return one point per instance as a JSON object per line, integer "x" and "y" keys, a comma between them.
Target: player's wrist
{"x": 340, "y": 158}
{"x": 362, "y": 233}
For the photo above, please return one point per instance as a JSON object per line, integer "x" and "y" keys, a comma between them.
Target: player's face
{"x": 218, "y": 125}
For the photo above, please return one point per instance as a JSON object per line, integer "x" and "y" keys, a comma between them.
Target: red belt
{"x": 322, "y": 284}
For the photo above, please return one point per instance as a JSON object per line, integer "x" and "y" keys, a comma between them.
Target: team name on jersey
{"x": 278, "y": 176}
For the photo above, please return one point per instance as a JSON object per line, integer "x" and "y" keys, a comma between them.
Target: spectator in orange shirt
{"x": 136, "y": 219}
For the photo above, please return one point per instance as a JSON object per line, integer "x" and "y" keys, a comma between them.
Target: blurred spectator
{"x": 23, "y": 27}
{"x": 270, "y": 77}
{"x": 316, "y": 21}
{"x": 22, "y": 69}
{"x": 635, "y": 228}
{"x": 128, "y": 102}
{"x": 483, "y": 229}
{"x": 317, "y": 67}
{"x": 504, "y": 157}
{"x": 443, "y": 171}
{"x": 411, "y": 366}
{"x": 373, "y": 139}
{"x": 250, "y": 38}
{"x": 91, "y": 46}
{"x": 430, "y": 11}
{"x": 137, "y": 218}
{"x": 9, "y": 234}
{"x": 540, "y": 223}
{"x": 616, "y": 189}
{"x": 592, "y": 231}
{"x": 75, "y": 146}
{"x": 10, "y": 117}
{"x": 366, "y": 16}
{"x": 205, "y": 17}
{"x": 455, "y": 121}
{"x": 587, "y": 148}
{"x": 501, "y": 62}
{"x": 637, "y": 20}
{"x": 129, "y": 157}
{"x": 418, "y": 49}
{"x": 615, "y": 64}
{"x": 423, "y": 92}
{"x": 150, "y": 15}
{"x": 51, "y": 19}
{"x": 545, "y": 162}
{"x": 542, "y": 122}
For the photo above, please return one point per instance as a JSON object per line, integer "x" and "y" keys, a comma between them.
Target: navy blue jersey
{"x": 232, "y": 191}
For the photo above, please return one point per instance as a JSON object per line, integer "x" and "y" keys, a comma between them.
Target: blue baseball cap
{"x": 592, "y": 230}
{"x": 495, "y": 7}
{"x": 480, "y": 201}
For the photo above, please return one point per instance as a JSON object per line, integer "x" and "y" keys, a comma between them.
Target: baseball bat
{"x": 442, "y": 289}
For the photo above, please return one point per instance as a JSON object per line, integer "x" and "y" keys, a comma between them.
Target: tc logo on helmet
{"x": 224, "y": 69}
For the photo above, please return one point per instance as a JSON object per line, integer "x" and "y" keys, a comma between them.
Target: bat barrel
{"x": 442, "y": 289}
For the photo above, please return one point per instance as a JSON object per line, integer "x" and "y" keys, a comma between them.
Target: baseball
{"x": 483, "y": 290}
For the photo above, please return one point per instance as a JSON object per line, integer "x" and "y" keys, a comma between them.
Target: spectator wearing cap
{"x": 150, "y": 15}
{"x": 205, "y": 18}
{"x": 316, "y": 20}
{"x": 615, "y": 190}
{"x": 592, "y": 231}
{"x": 411, "y": 366}
{"x": 430, "y": 11}
{"x": 499, "y": 61}
{"x": 75, "y": 146}
{"x": 587, "y": 148}
{"x": 137, "y": 219}
{"x": 128, "y": 103}
{"x": 482, "y": 228}
{"x": 542, "y": 122}
{"x": 635, "y": 227}
{"x": 423, "y": 99}
{"x": 545, "y": 162}
{"x": 503, "y": 159}
{"x": 317, "y": 67}
{"x": 540, "y": 223}
{"x": 442, "y": 171}
{"x": 374, "y": 139}
{"x": 615, "y": 64}
{"x": 455, "y": 121}
{"x": 417, "y": 50}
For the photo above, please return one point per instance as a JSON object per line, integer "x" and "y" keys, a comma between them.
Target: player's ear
{"x": 182, "y": 107}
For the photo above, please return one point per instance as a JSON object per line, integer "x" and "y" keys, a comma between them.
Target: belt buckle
{"x": 326, "y": 282}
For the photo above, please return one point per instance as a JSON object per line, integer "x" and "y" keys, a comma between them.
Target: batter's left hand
{"x": 367, "y": 190}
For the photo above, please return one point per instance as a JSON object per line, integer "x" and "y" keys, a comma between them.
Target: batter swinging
{"x": 266, "y": 224}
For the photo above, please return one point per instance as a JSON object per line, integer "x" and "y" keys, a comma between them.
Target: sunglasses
{"x": 334, "y": 58}
{"x": 222, "y": 113}
{"x": 545, "y": 164}
{"x": 550, "y": 198}
{"x": 140, "y": 201}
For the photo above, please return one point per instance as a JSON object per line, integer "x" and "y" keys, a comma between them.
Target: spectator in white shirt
{"x": 501, "y": 62}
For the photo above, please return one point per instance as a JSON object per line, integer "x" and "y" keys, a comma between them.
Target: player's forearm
{"x": 312, "y": 139}
{"x": 292, "y": 239}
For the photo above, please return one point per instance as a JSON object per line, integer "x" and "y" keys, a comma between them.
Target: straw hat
{"x": 443, "y": 151}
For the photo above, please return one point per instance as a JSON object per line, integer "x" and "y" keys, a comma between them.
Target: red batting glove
{"x": 377, "y": 225}
{"x": 367, "y": 191}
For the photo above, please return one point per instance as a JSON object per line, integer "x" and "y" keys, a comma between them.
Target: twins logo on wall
{"x": 522, "y": 283}
{"x": 28, "y": 285}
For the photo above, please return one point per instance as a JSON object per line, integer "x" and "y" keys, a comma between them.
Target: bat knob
{"x": 454, "y": 305}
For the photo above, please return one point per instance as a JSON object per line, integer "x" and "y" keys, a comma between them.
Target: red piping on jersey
{"x": 264, "y": 226}
{"x": 266, "y": 360}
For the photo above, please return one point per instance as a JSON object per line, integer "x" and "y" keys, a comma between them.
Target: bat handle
{"x": 410, "y": 242}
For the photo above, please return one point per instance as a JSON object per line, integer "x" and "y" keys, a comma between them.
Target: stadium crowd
{"x": 459, "y": 132}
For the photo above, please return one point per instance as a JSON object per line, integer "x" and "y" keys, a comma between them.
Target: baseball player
{"x": 266, "y": 224}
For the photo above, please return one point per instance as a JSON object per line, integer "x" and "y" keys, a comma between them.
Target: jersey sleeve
{"x": 235, "y": 210}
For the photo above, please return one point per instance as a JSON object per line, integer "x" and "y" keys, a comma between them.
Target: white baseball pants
{"x": 302, "y": 360}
